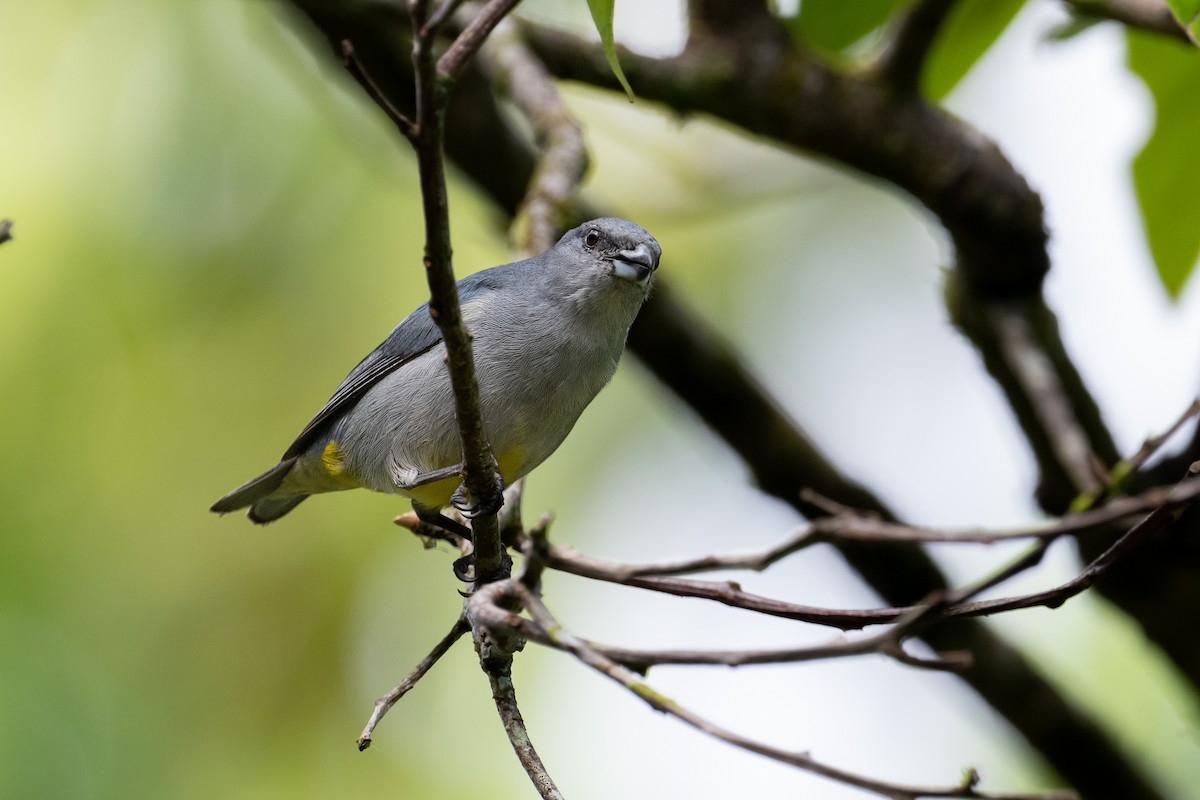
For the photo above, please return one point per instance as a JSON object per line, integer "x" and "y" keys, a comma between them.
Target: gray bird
{"x": 548, "y": 333}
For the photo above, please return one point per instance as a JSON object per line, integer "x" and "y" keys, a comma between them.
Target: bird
{"x": 548, "y": 333}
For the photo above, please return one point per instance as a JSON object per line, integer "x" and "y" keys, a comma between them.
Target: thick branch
{"x": 992, "y": 216}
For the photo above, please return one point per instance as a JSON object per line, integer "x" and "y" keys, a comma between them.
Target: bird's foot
{"x": 471, "y": 508}
{"x": 435, "y": 517}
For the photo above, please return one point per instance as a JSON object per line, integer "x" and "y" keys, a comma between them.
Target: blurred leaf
{"x": 1188, "y": 14}
{"x": 1166, "y": 175}
{"x": 973, "y": 27}
{"x": 834, "y": 25}
{"x": 602, "y": 15}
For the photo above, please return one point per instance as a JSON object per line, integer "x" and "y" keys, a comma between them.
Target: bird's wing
{"x": 416, "y": 335}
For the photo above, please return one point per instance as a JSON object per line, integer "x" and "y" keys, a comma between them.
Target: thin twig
{"x": 440, "y": 17}
{"x": 1169, "y": 503}
{"x": 472, "y": 38}
{"x": 1157, "y": 521}
{"x": 634, "y": 683}
{"x": 1155, "y": 443}
{"x": 856, "y": 526}
{"x": 888, "y": 643}
{"x": 385, "y": 703}
{"x": 359, "y": 72}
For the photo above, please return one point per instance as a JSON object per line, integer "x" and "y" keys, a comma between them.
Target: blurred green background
{"x": 212, "y": 228}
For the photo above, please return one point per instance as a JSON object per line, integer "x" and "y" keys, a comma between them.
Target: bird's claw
{"x": 489, "y": 504}
{"x": 464, "y": 569}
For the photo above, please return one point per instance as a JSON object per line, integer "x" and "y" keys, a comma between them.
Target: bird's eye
{"x": 591, "y": 239}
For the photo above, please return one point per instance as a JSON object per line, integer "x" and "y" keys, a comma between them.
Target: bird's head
{"x": 607, "y": 256}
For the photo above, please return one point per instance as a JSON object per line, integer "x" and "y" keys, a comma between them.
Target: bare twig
{"x": 1155, "y": 443}
{"x": 1163, "y": 505}
{"x": 631, "y": 681}
{"x": 472, "y": 38}
{"x": 1157, "y": 521}
{"x": 888, "y": 643}
{"x": 440, "y": 16}
{"x": 385, "y": 703}
{"x": 851, "y": 525}
{"x": 356, "y": 69}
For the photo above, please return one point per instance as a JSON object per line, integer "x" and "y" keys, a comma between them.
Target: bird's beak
{"x": 636, "y": 265}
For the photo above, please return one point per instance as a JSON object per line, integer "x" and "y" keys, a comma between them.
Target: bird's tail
{"x": 257, "y": 495}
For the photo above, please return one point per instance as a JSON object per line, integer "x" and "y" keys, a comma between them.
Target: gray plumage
{"x": 548, "y": 334}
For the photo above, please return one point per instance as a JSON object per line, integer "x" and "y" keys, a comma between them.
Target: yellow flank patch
{"x": 331, "y": 457}
{"x": 510, "y": 462}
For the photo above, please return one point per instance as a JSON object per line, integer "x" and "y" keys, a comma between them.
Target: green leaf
{"x": 1187, "y": 12}
{"x": 602, "y": 16}
{"x": 973, "y": 27}
{"x": 1166, "y": 174}
{"x": 834, "y": 25}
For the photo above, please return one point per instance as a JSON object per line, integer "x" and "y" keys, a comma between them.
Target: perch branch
{"x": 481, "y": 475}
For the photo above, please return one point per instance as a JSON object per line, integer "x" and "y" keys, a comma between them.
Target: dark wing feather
{"x": 416, "y": 335}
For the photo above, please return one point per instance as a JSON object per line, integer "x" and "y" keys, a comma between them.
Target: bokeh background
{"x": 212, "y": 228}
